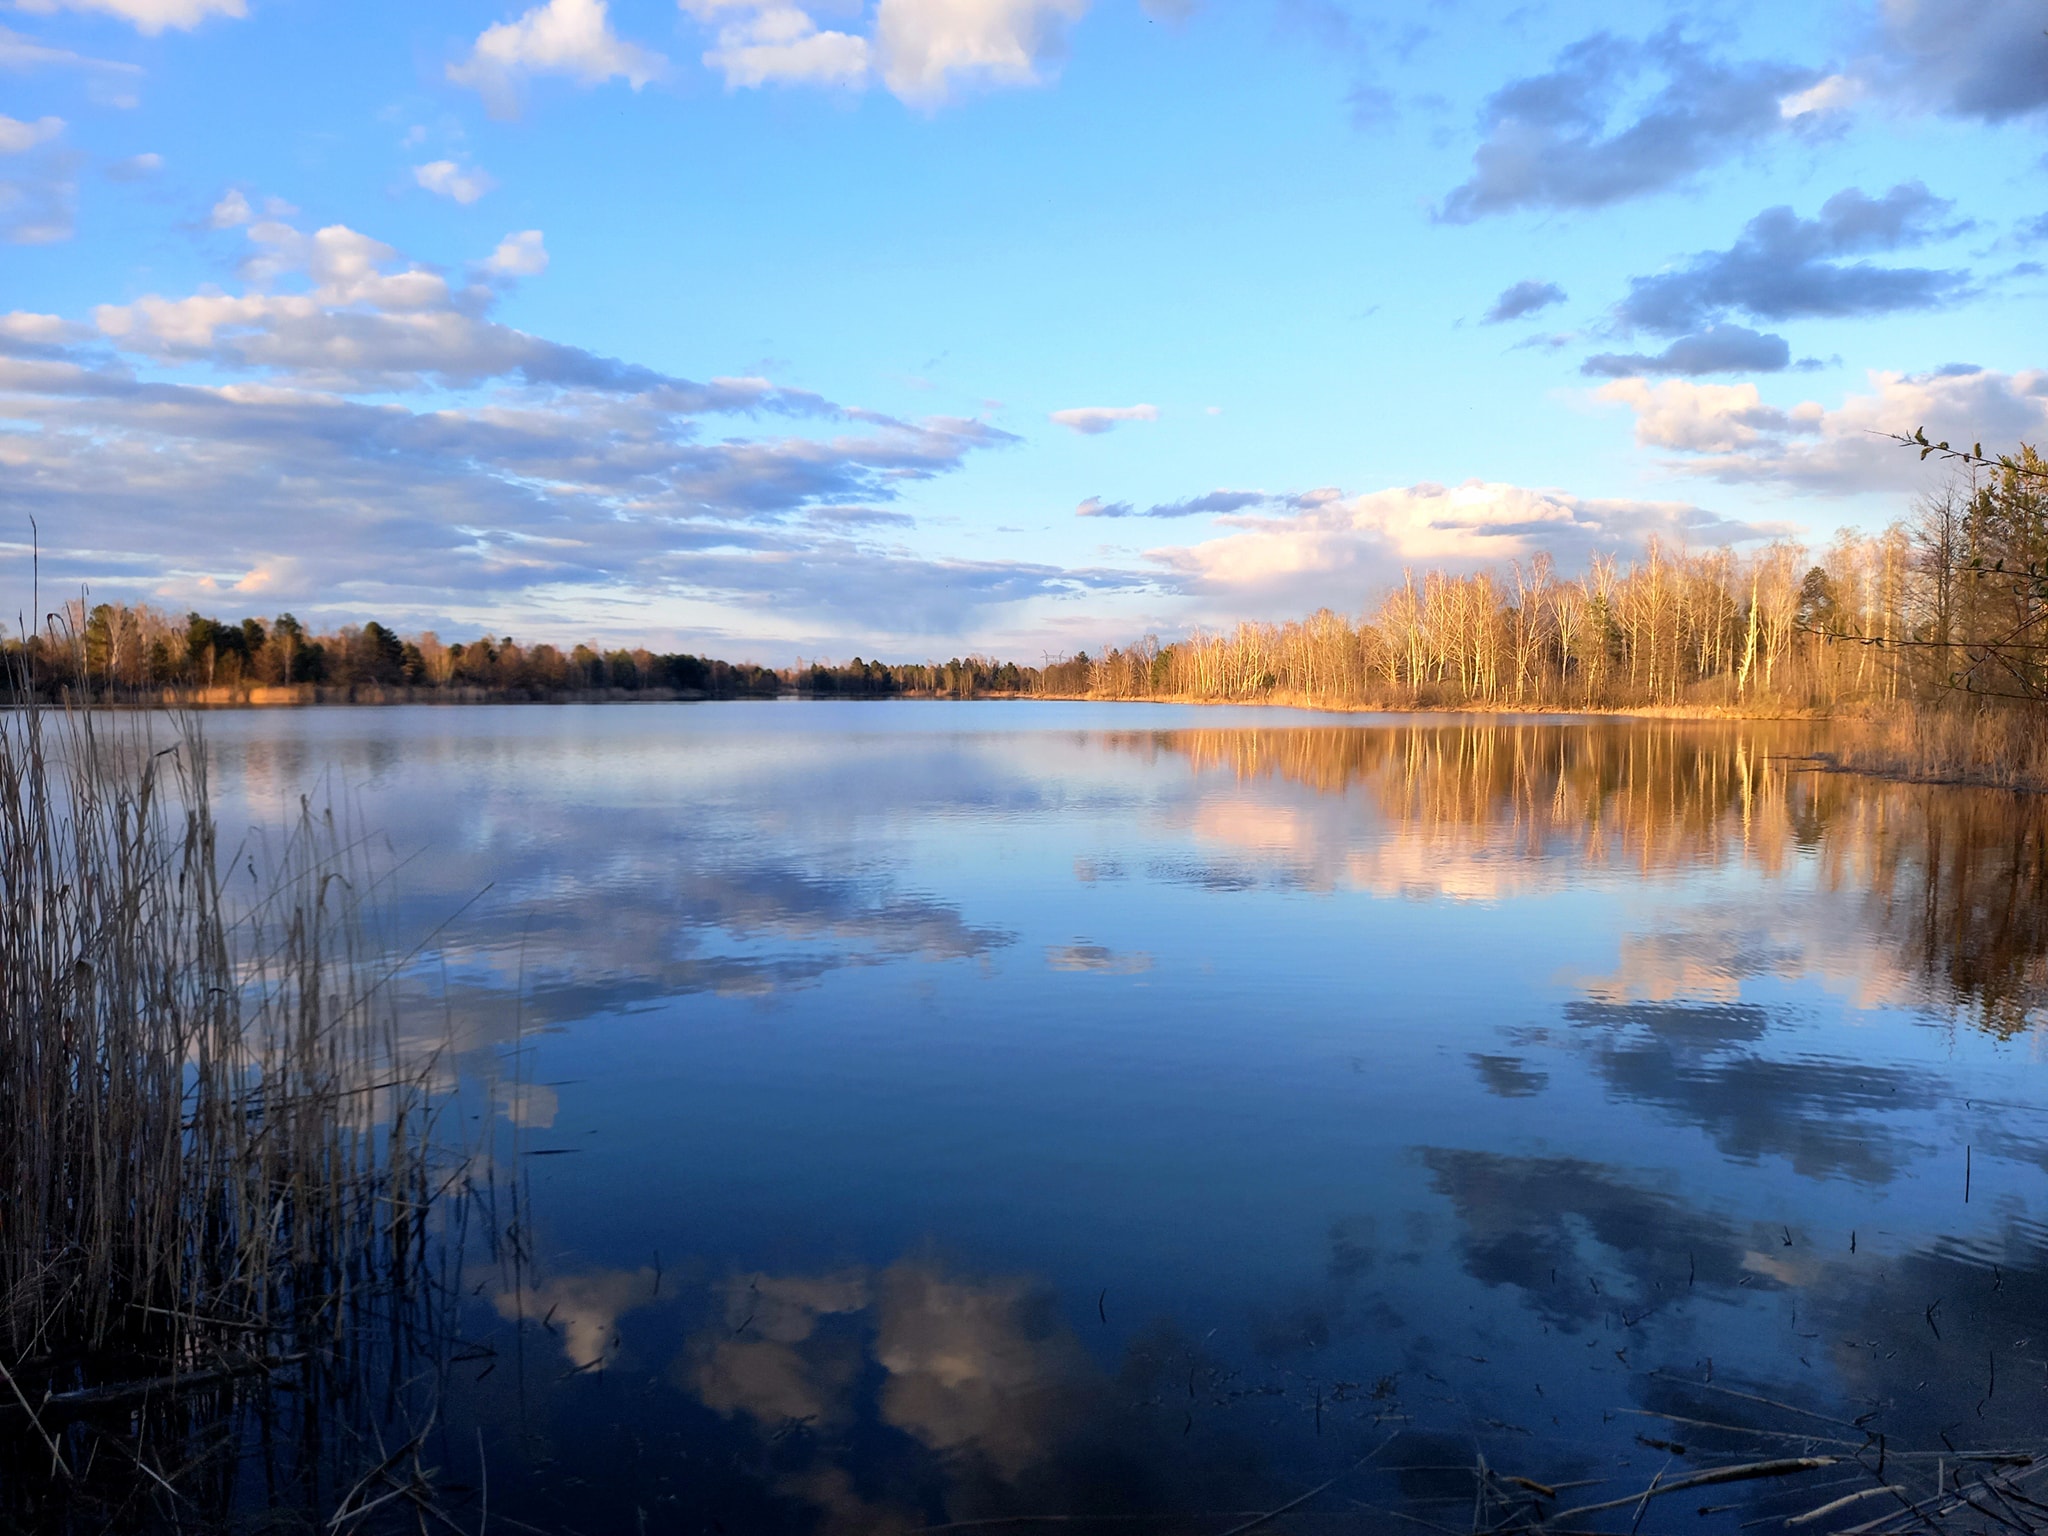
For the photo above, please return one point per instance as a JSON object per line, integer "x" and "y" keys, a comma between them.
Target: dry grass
{"x": 1414, "y": 702}
{"x": 2004, "y": 746}
{"x": 217, "y": 1162}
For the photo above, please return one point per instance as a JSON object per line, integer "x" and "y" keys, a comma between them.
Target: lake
{"x": 936, "y": 1113}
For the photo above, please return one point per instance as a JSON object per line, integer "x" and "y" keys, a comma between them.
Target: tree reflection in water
{"x": 1955, "y": 880}
{"x": 1138, "y": 1126}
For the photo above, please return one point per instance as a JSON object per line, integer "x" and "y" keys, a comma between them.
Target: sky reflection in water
{"x": 983, "y": 1109}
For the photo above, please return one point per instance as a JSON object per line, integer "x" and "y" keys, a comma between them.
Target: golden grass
{"x": 2003, "y": 746}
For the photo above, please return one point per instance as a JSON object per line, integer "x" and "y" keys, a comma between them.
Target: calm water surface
{"x": 939, "y": 1112}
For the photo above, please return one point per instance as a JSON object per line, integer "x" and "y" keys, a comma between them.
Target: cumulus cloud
{"x": 1728, "y": 432}
{"x": 445, "y": 178}
{"x": 522, "y": 255}
{"x": 1523, "y": 298}
{"x": 1784, "y": 267}
{"x": 1323, "y": 547}
{"x": 1717, "y": 349}
{"x": 232, "y": 210}
{"x": 23, "y": 326}
{"x": 923, "y": 51}
{"x": 1703, "y": 418}
{"x": 928, "y": 47}
{"x": 772, "y": 42}
{"x": 1092, "y": 420}
{"x": 146, "y": 16}
{"x": 573, "y": 38}
{"x": 1584, "y": 133}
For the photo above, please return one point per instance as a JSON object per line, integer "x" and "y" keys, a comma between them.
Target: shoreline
{"x": 1906, "y": 743}
{"x": 1699, "y": 712}
{"x": 378, "y": 696}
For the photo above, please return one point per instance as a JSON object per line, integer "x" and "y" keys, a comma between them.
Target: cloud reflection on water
{"x": 1823, "y": 1115}
{"x": 1690, "y": 1013}
{"x": 981, "y": 1374}
{"x": 1901, "y": 894}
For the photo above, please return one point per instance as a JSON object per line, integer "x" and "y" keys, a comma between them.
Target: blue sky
{"x": 907, "y": 326}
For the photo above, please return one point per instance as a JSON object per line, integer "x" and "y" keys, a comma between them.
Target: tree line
{"x": 134, "y": 650}
{"x": 1952, "y": 600}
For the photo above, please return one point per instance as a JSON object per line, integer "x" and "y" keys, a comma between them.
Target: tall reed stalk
{"x": 217, "y": 1155}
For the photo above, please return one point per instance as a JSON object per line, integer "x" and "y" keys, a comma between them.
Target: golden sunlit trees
{"x": 1671, "y": 627}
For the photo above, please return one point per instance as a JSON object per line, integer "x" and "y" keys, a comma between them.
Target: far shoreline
{"x": 1903, "y": 742}
{"x": 381, "y": 696}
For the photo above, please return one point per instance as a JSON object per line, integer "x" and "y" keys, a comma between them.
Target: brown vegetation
{"x": 217, "y": 1166}
{"x": 1928, "y": 638}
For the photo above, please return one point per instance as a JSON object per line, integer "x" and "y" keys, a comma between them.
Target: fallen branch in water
{"x": 127, "y": 1391}
{"x": 1784, "y": 1467}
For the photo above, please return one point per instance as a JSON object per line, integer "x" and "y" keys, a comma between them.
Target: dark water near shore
{"x": 936, "y": 1113}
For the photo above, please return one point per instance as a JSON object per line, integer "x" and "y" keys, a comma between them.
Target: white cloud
{"x": 1329, "y": 549}
{"x": 290, "y": 472}
{"x": 232, "y": 209}
{"x": 562, "y": 37}
{"x": 922, "y": 50}
{"x": 40, "y": 330}
{"x": 346, "y": 267}
{"x": 520, "y": 255}
{"x": 773, "y": 42}
{"x": 925, "y": 45}
{"x": 1701, "y": 418}
{"x": 1090, "y": 420}
{"x": 356, "y": 319}
{"x": 18, "y": 137}
{"x": 1832, "y": 94}
{"x": 448, "y": 179}
{"x": 1728, "y": 433}
{"x": 146, "y": 16}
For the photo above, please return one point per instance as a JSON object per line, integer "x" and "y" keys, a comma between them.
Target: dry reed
{"x": 218, "y": 1157}
{"x": 1958, "y": 741}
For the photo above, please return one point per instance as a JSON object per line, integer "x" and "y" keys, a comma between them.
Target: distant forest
{"x": 1951, "y": 602}
{"x": 120, "y": 650}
